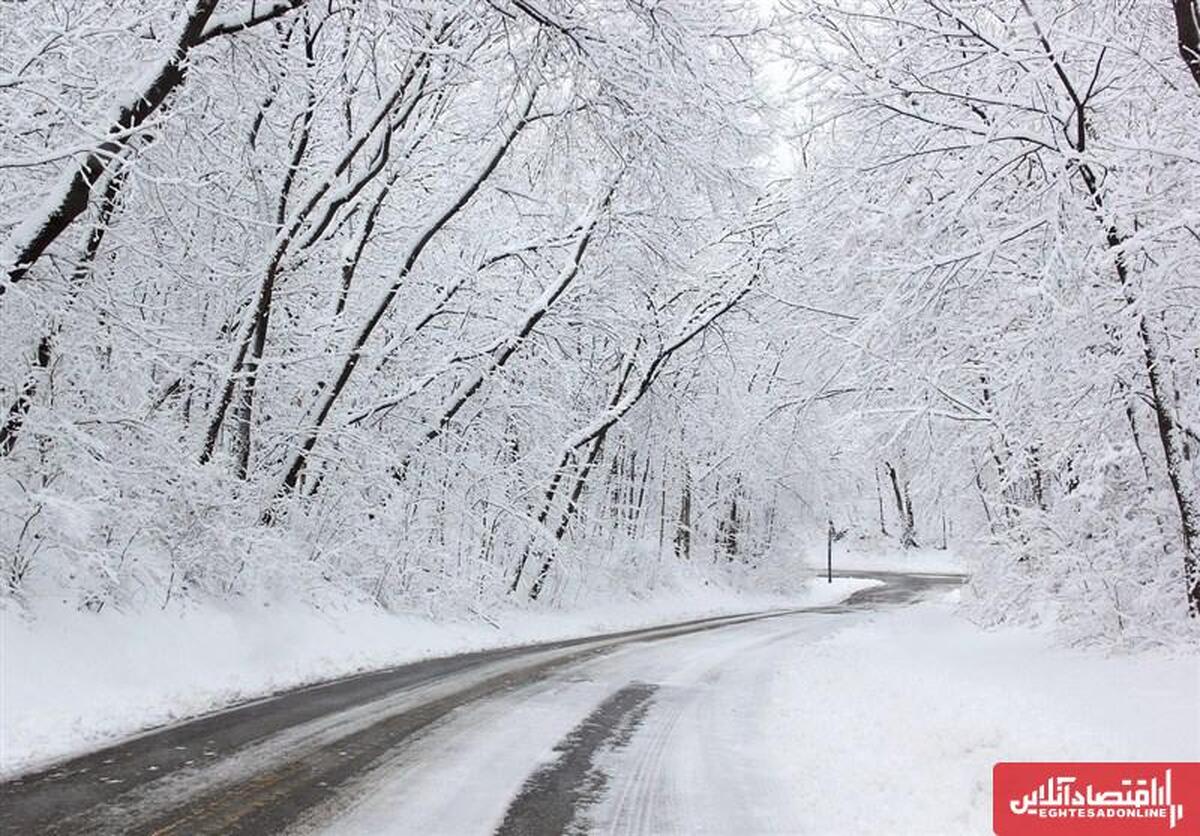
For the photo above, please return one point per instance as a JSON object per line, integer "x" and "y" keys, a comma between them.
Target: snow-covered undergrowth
{"x": 914, "y": 707}
{"x": 1114, "y": 586}
{"x": 877, "y": 555}
{"x": 71, "y": 680}
{"x": 1120, "y": 592}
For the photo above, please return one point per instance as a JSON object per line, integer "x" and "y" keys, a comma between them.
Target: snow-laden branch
{"x": 71, "y": 193}
{"x": 69, "y": 196}
{"x": 703, "y": 315}
{"x": 545, "y": 19}
{"x": 434, "y": 310}
{"x": 568, "y": 454}
{"x": 504, "y": 350}
{"x": 289, "y": 231}
{"x": 439, "y": 220}
{"x": 254, "y": 14}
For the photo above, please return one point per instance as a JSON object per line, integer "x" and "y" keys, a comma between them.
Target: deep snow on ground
{"x": 71, "y": 681}
{"x": 893, "y": 724}
{"x": 866, "y": 723}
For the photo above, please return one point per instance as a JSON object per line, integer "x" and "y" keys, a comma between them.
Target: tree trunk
{"x": 908, "y": 536}
{"x": 15, "y": 419}
{"x": 1187, "y": 24}
{"x": 556, "y": 480}
{"x": 733, "y": 539}
{"x": 1170, "y": 434}
{"x": 637, "y": 514}
{"x": 302, "y": 216}
{"x": 21, "y": 406}
{"x": 334, "y": 391}
{"x": 683, "y": 526}
{"x": 1184, "y": 489}
{"x": 244, "y": 411}
{"x": 879, "y": 495}
{"x": 565, "y": 520}
{"x": 69, "y": 199}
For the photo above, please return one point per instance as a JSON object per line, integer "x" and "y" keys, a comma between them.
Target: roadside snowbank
{"x": 72, "y": 681}
{"x": 909, "y": 712}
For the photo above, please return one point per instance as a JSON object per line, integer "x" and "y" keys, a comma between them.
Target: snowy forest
{"x": 463, "y": 304}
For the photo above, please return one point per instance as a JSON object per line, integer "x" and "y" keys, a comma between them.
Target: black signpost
{"x": 829, "y": 555}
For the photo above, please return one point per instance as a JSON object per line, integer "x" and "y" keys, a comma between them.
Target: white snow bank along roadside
{"x": 893, "y": 726}
{"x": 72, "y": 681}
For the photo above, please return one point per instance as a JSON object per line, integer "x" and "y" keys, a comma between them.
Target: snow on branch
{"x": 256, "y": 13}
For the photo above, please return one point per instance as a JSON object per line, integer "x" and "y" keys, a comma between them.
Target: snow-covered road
{"x": 857, "y": 720}
{"x": 866, "y": 717}
{"x": 672, "y": 736}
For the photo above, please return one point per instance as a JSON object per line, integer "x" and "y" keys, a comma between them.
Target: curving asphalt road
{"x": 261, "y": 767}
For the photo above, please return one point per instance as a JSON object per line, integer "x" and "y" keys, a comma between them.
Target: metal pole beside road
{"x": 829, "y": 554}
